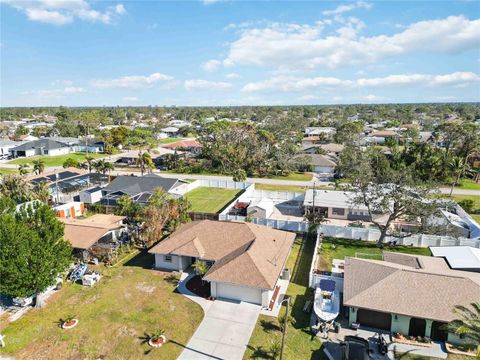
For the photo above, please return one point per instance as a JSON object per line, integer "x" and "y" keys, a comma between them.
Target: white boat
{"x": 327, "y": 301}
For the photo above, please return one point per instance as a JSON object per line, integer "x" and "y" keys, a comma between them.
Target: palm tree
{"x": 101, "y": 166}
{"x": 23, "y": 169}
{"x": 38, "y": 166}
{"x": 89, "y": 162}
{"x": 145, "y": 162}
{"x": 41, "y": 191}
{"x": 458, "y": 166}
{"x": 468, "y": 324}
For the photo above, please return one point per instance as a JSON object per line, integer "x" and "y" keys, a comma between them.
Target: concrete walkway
{"x": 224, "y": 331}
{"x": 436, "y": 351}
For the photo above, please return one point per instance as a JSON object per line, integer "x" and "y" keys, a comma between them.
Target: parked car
{"x": 355, "y": 348}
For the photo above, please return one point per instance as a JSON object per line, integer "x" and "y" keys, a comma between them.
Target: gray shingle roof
{"x": 47, "y": 144}
{"x": 133, "y": 185}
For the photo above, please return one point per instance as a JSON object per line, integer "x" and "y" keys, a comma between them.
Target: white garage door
{"x": 240, "y": 293}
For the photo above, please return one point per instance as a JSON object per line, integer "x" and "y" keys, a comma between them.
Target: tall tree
{"x": 32, "y": 250}
{"x": 23, "y": 169}
{"x": 16, "y": 188}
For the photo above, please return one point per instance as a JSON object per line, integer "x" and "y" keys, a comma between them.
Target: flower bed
{"x": 157, "y": 342}
{"x": 452, "y": 349}
{"x": 412, "y": 340}
{"x": 70, "y": 324}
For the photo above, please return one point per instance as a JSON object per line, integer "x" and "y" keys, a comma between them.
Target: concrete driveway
{"x": 224, "y": 332}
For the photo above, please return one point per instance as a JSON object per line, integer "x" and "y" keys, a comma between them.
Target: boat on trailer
{"x": 327, "y": 301}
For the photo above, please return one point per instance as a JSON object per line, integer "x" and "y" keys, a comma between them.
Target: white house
{"x": 245, "y": 260}
{"x": 5, "y": 146}
{"x": 335, "y": 204}
{"x": 41, "y": 147}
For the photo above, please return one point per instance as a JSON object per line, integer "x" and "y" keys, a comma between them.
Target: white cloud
{"x": 373, "y": 98}
{"x": 132, "y": 82}
{"x": 61, "y": 12}
{"x": 347, "y": 7}
{"x": 62, "y": 83}
{"x": 211, "y": 65}
{"x": 296, "y": 46}
{"x": 232, "y": 76}
{"x": 291, "y": 83}
{"x": 198, "y": 84}
{"x": 55, "y": 93}
{"x": 130, "y": 98}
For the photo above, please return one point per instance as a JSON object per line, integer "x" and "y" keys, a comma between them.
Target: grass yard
{"x": 299, "y": 343}
{"x": 210, "y": 200}
{"x": 468, "y": 184}
{"x": 169, "y": 140}
{"x": 290, "y": 188}
{"x": 339, "y": 248}
{"x": 475, "y": 198}
{"x": 129, "y": 301}
{"x": 56, "y": 160}
{"x": 476, "y": 217}
{"x": 297, "y": 176}
{"x": 8, "y": 171}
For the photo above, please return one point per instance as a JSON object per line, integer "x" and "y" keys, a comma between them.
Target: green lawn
{"x": 290, "y": 188}
{"x": 299, "y": 343}
{"x": 169, "y": 140}
{"x": 8, "y": 171}
{"x": 56, "y": 160}
{"x": 468, "y": 184}
{"x": 210, "y": 200}
{"x": 128, "y": 301}
{"x": 339, "y": 248}
{"x": 297, "y": 176}
{"x": 475, "y": 198}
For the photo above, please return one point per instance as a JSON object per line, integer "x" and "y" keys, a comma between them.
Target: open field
{"x": 56, "y": 160}
{"x": 8, "y": 171}
{"x": 474, "y": 198}
{"x": 339, "y": 248}
{"x": 210, "y": 200}
{"x": 299, "y": 343}
{"x": 129, "y": 301}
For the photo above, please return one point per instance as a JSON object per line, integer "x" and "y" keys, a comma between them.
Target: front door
{"x": 417, "y": 327}
{"x": 438, "y": 333}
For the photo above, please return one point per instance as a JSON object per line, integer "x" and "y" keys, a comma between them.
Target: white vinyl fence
{"x": 288, "y": 225}
{"x": 314, "y": 278}
{"x": 370, "y": 234}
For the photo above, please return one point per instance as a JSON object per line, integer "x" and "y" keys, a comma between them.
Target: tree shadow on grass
{"x": 172, "y": 279}
{"x": 258, "y": 352}
{"x": 269, "y": 326}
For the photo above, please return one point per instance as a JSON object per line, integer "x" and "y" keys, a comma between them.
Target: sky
{"x": 102, "y": 53}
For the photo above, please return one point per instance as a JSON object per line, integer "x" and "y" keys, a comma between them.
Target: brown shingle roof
{"x": 429, "y": 292}
{"x": 244, "y": 253}
{"x": 83, "y": 233}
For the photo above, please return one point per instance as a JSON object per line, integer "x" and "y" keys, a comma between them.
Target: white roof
{"x": 458, "y": 257}
{"x": 333, "y": 199}
{"x": 171, "y": 129}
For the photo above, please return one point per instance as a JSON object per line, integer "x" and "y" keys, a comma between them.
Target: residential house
{"x": 246, "y": 260}
{"x": 171, "y": 131}
{"x": 407, "y": 294}
{"x": 138, "y": 188}
{"x": 335, "y": 205}
{"x": 70, "y": 210}
{"x": 94, "y": 236}
{"x": 92, "y": 146}
{"x": 44, "y": 147}
{"x": 91, "y": 196}
{"x": 321, "y": 164}
{"x": 316, "y": 131}
{"x": 5, "y": 146}
{"x": 191, "y": 145}
{"x": 131, "y": 157}
{"x": 379, "y": 137}
{"x": 65, "y": 185}
{"x": 465, "y": 258}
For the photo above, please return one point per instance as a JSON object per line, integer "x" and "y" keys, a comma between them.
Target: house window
{"x": 167, "y": 258}
{"x": 338, "y": 211}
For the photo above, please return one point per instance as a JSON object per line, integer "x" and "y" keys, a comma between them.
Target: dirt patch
{"x": 145, "y": 288}
{"x": 198, "y": 287}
